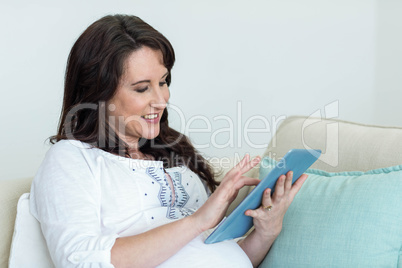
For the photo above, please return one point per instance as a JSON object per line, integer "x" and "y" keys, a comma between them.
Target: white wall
{"x": 272, "y": 58}
{"x": 388, "y": 67}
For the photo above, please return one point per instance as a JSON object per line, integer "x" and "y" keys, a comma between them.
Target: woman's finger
{"x": 266, "y": 204}
{"x": 279, "y": 187}
{"x": 266, "y": 201}
{"x": 250, "y": 164}
{"x": 243, "y": 162}
{"x": 247, "y": 181}
{"x": 251, "y": 213}
{"x": 288, "y": 181}
{"x": 297, "y": 185}
{"x": 245, "y": 165}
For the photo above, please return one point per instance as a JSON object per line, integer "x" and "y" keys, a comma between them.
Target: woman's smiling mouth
{"x": 151, "y": 118}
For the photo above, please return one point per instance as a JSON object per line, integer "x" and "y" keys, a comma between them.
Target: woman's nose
{"x": 158, "y": 105}
{"x": 158, "y": 101}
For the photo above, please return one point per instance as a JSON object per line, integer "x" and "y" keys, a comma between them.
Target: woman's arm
{"x": 157, "y": 245}
{"x": 268, "y": 223}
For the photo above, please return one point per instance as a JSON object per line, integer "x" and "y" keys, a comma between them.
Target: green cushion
{"x": 349, "y": 219}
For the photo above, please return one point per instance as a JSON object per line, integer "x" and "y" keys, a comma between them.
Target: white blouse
{"x": 85, "y": 198}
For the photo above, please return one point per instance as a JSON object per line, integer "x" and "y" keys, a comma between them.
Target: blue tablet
{"x": 237, "y": 224}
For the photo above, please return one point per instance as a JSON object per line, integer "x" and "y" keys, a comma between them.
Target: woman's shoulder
{"x": 68, "y": 166}
{"x": 67, "y": 162}
{"x": 69, "y": 146}
{"x": 65, "y": 149}
{"x": 69, "y": 154}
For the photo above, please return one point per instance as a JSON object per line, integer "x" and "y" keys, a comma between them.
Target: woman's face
{"x": 137, "y": 106}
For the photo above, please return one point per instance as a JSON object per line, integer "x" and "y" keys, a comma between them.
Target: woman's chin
{"x": 150, "y": 135}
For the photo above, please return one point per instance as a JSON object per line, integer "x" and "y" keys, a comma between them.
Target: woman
{"x": 120, "y": 188}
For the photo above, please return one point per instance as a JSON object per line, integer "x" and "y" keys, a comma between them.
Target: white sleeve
{"x": 65, "y": 198}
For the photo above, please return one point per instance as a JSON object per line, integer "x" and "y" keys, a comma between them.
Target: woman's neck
{"x": 134, "y": 151}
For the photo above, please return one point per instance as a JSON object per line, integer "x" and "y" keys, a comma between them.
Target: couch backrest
{"x": 346, "y": 146}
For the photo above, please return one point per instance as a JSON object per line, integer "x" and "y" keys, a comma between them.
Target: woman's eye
{"x": 141, "y": 90}
{"x": 161, "y": 84}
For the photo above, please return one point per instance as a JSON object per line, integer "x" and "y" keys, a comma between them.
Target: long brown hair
{"x": 94, "y": 69}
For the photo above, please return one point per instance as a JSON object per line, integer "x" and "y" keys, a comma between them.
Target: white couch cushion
{"x": 10, "y": 192}
{"x": 28, "y": 248}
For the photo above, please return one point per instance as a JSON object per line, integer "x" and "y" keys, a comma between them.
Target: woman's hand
{"x": 214, "y": 209}
{"x": 268, "y": 218}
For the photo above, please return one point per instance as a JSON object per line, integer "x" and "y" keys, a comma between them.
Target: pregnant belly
{"x": 198, "y": 254}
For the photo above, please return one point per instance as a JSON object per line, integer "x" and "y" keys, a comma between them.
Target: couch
{"x": 347, "y": 214}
